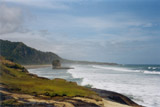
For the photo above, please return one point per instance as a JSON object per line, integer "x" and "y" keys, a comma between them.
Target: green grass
{"x": 18, "y": 79}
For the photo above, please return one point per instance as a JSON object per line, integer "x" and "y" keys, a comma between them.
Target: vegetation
{"x": 17, "y": 79}
{"x": 20, "y": 53}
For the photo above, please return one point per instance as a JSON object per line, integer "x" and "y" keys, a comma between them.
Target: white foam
{"x": 151, "y": 72}
{"x": 128, "y": 70}
{"x": 117, "y": 69}
{"x": 154, "y": 68}
{"x": 144, "y": 90}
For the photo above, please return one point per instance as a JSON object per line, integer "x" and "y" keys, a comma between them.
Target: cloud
{"x": 71, "y": 23}
{"x": 82, "y": 37}
{"x": 11, "y": 19}
{"x": 101, "y": 47}
{"x": 50, "y": 4}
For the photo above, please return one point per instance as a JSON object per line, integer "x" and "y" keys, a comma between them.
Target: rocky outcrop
{"x": 56, "y": 64}
{"x": 11, "y": 99}
{"x": 116, "y": 97}
{"x": 111, "y": 99}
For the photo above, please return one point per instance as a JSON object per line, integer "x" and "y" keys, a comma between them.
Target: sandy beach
{"x": 108, "y": 103}
{"x": 37, "y": 66}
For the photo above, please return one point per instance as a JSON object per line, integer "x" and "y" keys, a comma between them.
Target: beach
{"x": 37, "y": 66}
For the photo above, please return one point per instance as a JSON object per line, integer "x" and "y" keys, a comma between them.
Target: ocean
{"x": 141, "y": 83}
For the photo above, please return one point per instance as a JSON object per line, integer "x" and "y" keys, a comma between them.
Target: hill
{"x": 20, "y": 53}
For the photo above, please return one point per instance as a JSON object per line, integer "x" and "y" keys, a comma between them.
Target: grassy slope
{"x": 17, "y": 78}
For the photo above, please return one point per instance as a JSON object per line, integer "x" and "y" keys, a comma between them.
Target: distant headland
{"x": 20, "y": 53}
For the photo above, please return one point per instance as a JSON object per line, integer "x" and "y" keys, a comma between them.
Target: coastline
{"x": 109, "y": 98}
{"x": 37, "y": 66}
{"x": 16, "y": 79}
{"x": 115, "y": 98}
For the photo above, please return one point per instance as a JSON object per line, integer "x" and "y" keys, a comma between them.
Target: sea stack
{"x": 56, "y": 64}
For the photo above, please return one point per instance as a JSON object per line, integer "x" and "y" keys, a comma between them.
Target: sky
{"x": 120, "y": 31}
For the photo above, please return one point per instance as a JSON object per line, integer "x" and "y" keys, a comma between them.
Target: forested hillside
{"x": 21, "y": 53}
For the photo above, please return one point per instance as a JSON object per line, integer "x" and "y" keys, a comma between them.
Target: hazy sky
{"x": 122, "y": 31}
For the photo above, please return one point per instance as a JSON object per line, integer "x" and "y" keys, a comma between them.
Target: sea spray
{"x": 137, "y": 82}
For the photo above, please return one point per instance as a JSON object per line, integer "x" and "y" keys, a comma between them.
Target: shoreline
{"x": 37, "y": 66}
{"x": 114, "y": 97}
{"x": 109, "y": 97}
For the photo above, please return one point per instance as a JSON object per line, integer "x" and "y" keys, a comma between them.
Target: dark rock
{"x": 116, "y": 97}
{"x": 4, "y": 97}
{"x": 56, "y": 64}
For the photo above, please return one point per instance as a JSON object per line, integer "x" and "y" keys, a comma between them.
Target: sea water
{"x": 141, "y": 83}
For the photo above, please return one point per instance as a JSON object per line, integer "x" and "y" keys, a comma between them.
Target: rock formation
{"x": 56, "y": 64}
